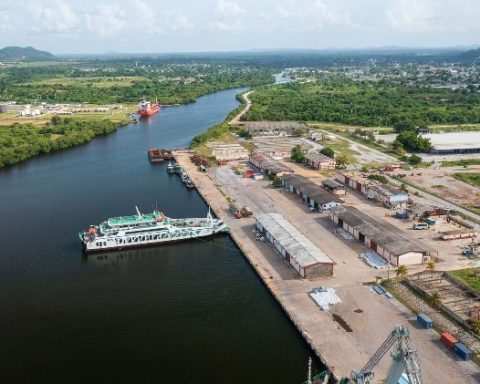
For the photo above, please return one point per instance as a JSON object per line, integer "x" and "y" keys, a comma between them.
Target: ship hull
{"x": 148, "y": 112}
{"x": 107, "y": 243}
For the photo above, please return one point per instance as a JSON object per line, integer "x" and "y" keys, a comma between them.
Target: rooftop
{"x": 384, "y": 234}
{"x": 454, "y": 140}
{"x": 330, "y": 183}
{"x": 297, "y": 245}
{"x": 318, "y": 157}
{"x": 311, "y": 189}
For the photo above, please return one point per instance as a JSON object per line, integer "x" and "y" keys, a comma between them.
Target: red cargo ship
{"x": 148, "y": 108}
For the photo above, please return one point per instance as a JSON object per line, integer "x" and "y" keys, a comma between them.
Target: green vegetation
{"x": 27, "y": 53}
{"x": 469, "y": 178}
{"x": 298, "y": 154}
{"x": 327, "y": 151}
{"x": 210, "y": 134}
{"x": 20, "y": 142}
{"x": 366, "y": 103}
{"x": 124, "y": 81}
{"x": 412, "y": 142}
{"x": 380, "y": 178}
{"x": 412, "y": 160}
{"x": 460, "y": 163}
{"x": 469, "y": 276}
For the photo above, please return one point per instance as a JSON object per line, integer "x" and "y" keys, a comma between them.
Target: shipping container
{"x": 448, "y": 339}
{"x": 424, "y": 320}
{"x": 463, "y": 351}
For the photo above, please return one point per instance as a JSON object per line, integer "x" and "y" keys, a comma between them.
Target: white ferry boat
{"x": 147, "y": 229}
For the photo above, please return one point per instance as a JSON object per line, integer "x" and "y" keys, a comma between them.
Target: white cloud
{"x": 107, "y": 20}
{"x": 58, "y": 18}
{"x": 6, "y": 21}
{"x": 229, "y": 16}
{"x": 179, "y": 23}
{"x": 308, "y": 15}
{"x": 411, "y": 15}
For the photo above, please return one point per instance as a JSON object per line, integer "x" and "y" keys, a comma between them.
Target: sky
{"x": 98, "y": 26}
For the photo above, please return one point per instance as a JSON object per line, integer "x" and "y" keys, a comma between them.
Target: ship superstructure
{"x": 147, "y": 229}
{"x": 147, "y": 108}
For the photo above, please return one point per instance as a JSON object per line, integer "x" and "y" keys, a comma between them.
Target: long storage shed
{"x": 384, "y": 239}
{"x": 304, "y": 256}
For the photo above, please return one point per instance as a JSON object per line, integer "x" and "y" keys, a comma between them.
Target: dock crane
{"x": 404, "y": 357}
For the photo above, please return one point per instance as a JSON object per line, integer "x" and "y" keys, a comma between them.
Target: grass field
{"x": 470, "y": 276}
{"x": 469, "y": 178}
{"x": 460, "y": 163}
{"x": 98, "y": 82}
{"x": 115, "y": 115}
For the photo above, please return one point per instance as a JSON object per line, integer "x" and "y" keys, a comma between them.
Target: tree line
{"x": 20, "y": 142}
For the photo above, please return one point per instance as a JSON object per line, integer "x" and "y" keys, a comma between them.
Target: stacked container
{"x": 463, "y": 351}
{"x": 448, "y": 339}
{"x": 424, "y": 320}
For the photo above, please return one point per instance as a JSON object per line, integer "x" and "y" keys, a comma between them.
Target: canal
{"x": 194, "y": 312}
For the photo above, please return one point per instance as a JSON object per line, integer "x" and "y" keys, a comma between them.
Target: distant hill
{"x": 472, "y": 54}
{"x": 24, "y": 54}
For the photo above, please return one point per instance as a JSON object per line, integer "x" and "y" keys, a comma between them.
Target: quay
{"x": 345, "y": 337}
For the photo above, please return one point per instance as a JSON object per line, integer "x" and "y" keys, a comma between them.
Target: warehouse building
{"x": 381, "y": 237}
{"x": 454, "y": 142}
{"x": 268, "y": 165}
{"x": 390, "y": 197}
{"x": 314, "y": 195}
{"x": 304, "y": 256}
{"x": 335, "y": 187}
{"x": 318, "y": 161}
{"x": 228, "y": 151}
{"x": 275, "y": 128}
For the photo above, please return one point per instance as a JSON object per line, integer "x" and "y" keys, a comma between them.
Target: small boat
{"x": 178, "y": 169}
{"x": 170, "y": 167}
{"x": 189, "y": 184}
{"x": 184, "y": 177}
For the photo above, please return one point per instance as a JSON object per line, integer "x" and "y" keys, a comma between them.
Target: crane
{"x": 405, "y": 360}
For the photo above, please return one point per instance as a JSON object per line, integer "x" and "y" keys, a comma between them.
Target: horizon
{"x": 143, "y": 26}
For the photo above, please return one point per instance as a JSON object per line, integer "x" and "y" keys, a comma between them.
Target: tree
{"x": 342, "y": 161}
{"x": 328, "y": 152}
{"x": 475, "y": 325}
{"x": 298, "y": 154}
{"x": 431, "y": 266}
{"x": 402, "y": 272}
{"x": 435, "y": 300}
{"x": 413, "y": 142}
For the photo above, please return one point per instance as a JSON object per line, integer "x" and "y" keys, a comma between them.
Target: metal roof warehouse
{"x": 381, "y": 237}
{"x": 305, "y": 257}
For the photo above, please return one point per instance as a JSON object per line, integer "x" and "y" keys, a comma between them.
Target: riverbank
{"x": 345, "y": 337}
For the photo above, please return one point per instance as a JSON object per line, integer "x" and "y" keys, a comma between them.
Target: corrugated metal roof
{"x": 317, "y": 157}
{"x": 382, "y": 233}
{"x": 297, "y": 245}
{"x": 332, "y": 183}
{"x": 311, "y": 189}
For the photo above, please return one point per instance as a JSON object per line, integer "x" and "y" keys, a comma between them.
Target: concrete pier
{"x": 345, "y": 337}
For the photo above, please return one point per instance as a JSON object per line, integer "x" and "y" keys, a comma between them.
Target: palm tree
{"x": 436, "y": 300}
{"x": 431, "y": 266}
{"x": 402, "y": 272}
{"x": 475, "y": 325}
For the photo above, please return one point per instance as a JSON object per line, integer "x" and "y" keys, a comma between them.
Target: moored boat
{"x": 170, "y": 167}
{"x": 147, "y": 108}
{"x": 147, "y": 229}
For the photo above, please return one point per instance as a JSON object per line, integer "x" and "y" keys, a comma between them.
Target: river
{"x": 194, "y": 312}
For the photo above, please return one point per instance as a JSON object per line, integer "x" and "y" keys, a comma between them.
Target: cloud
{"x": 307, "y": 15}
{"x": 411, "y": 16}
{"x": 59, "y": 18}
{"x": 107, "y": 20}
{"x": 6, "y": 21}
{"x": 179, "y": 23}
{"x": 228, "y": 16}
